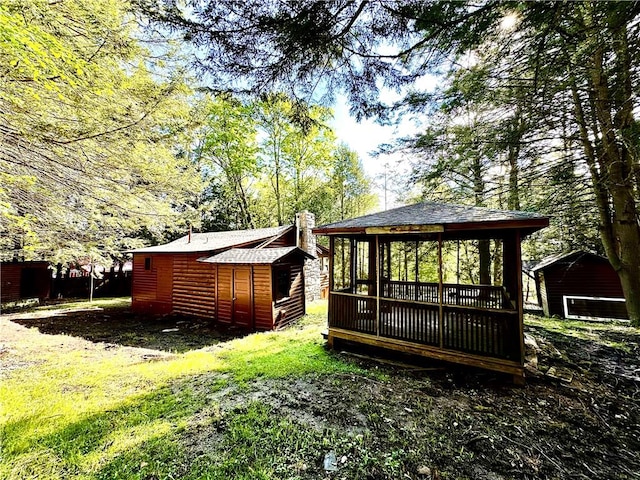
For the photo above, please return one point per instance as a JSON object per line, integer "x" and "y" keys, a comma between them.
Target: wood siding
{"x": 224, "y": 307}
{"x": 293, "y": 307}
{"x": 153, "y": 288}
{"x": 263, "y": 297}
{"x": 178, "y": 283}
{"x": 286, "y": 240}
{"x": 586, "y": 276}
{"x": 23, "y": 280}
{"x": 194, "y": 286}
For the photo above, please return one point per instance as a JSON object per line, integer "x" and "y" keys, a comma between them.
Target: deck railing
{"x": 475, "y": 330}
{"x": 480, "y": 296}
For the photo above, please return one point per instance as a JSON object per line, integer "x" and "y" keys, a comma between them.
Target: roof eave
{"x": 529, "y": 226}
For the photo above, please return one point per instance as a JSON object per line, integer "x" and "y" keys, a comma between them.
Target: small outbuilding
{"x": 24, "y": 280}
{"x": 251, "y": 279}
{"x": 397, "y": 282}
{"x": 579, "y": 285}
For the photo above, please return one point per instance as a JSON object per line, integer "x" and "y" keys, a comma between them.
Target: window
{"x": 147, "y": 263}
{"x": 281, "y": 282}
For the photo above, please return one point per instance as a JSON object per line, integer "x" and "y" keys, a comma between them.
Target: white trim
{"x": 584, "y": 317}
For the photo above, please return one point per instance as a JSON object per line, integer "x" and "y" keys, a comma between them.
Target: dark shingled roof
{"x": 211, "y": 241}
{"x": 254, "y": 255}
{"x": 435, "y": 214}
{"x": 574, "y": 256}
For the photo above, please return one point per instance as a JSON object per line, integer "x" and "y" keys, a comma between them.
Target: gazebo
{"x": 433, "y": 279}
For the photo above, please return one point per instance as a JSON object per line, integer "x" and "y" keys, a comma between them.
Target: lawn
{"x": 92, "y": 391}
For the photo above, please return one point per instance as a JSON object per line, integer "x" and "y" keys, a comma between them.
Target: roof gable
{"x": 212, "y": 241}
{"x": 568, "y": 258}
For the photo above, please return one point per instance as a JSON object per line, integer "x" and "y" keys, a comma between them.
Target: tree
{"x": 88, "y": 131}
{"x": 583, "y": 54}
{"x": 295, "y": 151}
{"x": 230, "y": 149}
{"x": 349, "y": 185}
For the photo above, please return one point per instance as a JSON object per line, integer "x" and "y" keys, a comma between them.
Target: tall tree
{"x": 349, "y": 185}
{"x": 230, "y": 150}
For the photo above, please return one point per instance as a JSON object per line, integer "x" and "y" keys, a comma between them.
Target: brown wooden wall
{"x": 586, "y": 276}
{"x": 21, "y": 280}
{"x": 288, "y": 310}
{"x": 263, "y": 297}
{"x": 152, "y": 289}
{"x": 179, "y": 283}
{"x": 194, "y": 286}
{"x": 224, "y": 312}
{"x": 286, "y": 240}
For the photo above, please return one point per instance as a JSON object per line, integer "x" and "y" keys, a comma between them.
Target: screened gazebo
{"x": 432, "y": 279}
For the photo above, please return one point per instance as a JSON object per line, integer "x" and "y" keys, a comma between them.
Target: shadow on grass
{"x": 120, "y": 326}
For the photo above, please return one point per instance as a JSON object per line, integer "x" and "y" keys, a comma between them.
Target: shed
{"x": 23, "y": 280}
{"x": 579, "y": 284}
{"x": 253, "y": 279}
{"x": 259, "y": 289}
{"x": 395, "y": 283}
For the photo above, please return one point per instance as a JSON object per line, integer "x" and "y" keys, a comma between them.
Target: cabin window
{"x": 282, "y": 282}
{"x": 147, "y": 263}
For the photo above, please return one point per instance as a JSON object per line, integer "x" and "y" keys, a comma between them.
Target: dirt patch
{"x": 434, "y": 420}
{"x": 120, "y": 326}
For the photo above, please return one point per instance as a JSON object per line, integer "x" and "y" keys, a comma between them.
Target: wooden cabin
{"x": 403, "y": 280}
{"x": 251, "y": 279}
{"x": 579, "y": 285}
{"x": 24, "y": 280}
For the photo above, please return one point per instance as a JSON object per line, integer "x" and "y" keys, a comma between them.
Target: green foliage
{"x": 265, "y": 160}
{"x": 88, "y": 132}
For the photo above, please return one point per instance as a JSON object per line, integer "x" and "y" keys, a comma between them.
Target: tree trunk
{"x": 612, "y": 179}
{"x": 484, "y": 247}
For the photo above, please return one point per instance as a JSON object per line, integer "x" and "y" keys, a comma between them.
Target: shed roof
{"x": 571, "y": 257}
{"x": 254, "y": 255}
{"x": 436, "y": 217}
{"x": 212, "y": 241}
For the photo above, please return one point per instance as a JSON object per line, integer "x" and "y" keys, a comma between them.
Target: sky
{"x": 365, "y": 136}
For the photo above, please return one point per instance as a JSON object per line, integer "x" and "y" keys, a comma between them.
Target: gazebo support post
{"x": 440, "y": 294}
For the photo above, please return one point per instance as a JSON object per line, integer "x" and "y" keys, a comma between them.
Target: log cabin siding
{"x": 194, "y": 286}
{"x": 224, "y": 307}
{"x": 262, "y": 294}
{"x": 144, "y": 285}
{"x": 285, "y": 240}
{"x": 152, "y": 288}
{"x": 291, "y": 308}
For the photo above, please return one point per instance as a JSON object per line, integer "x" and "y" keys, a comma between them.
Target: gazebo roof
{"x": 433, "y": 217}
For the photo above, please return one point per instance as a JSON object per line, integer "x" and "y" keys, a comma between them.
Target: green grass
{"x": 86, "y": 413}
{"x": 73, "y": 409}
{"x": 113, "y": 302}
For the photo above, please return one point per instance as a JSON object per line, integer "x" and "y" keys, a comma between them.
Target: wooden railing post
{"x": 440, "y": 294}
{"x": 377, "y": 274}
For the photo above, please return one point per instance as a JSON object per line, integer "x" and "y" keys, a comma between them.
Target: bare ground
{"x": 580, "y": 419}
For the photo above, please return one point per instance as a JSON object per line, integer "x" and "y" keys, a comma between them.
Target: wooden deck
{"x": 485, "y": 336}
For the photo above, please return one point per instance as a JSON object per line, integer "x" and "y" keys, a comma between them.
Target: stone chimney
{"x": 305, "y": 222}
